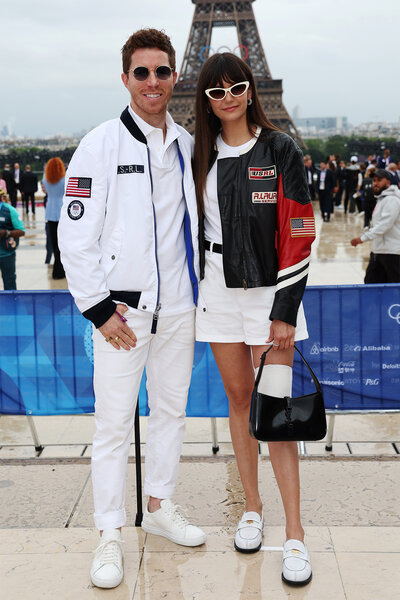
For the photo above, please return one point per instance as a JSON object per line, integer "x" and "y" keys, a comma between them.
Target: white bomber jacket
{"x": 107, "y": 231}
{"x": 385, "y": 224}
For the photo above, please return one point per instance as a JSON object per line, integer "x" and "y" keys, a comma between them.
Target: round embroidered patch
{"x": 75, "y": 210}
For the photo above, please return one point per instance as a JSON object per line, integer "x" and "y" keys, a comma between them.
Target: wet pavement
{"x": 349, "y": 496}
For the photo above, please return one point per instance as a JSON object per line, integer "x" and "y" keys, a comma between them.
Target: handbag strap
{"x": 262, "y": 362}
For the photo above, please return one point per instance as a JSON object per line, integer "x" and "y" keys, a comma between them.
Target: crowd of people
{"x": 14, "y": 181}
{"x": 348, "y": 186}
{"x": 371, "y": 189}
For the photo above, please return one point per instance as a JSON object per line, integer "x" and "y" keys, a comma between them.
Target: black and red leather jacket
{"x": 267, "y": 221}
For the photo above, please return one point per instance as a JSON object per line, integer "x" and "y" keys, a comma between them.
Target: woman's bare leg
{"x": 237, "y": 372}
{"x": 284, "y": 457}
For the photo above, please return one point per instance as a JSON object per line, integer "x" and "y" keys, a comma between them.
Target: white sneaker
{"x": 248, "y": 537}
{"x": 296, "y": 568}
{"x": 168, "y": 522}
{"x": 107, "y": 570}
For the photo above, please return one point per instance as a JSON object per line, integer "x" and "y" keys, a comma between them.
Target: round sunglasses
{"x": 236, "y": 90}
{"x": 162, "y": 73}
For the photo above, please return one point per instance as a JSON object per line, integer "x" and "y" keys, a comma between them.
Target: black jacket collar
{"x": 131, "y": 126}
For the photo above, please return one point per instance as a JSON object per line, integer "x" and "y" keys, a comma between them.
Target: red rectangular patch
{"x": 262, "y": 172}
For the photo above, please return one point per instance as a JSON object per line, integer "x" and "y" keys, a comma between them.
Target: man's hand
{"x": 118, "y": 333}
{"x": 4, "y": 233}
{"x": 356, "y": 241}
{"x": 281, "y": 335}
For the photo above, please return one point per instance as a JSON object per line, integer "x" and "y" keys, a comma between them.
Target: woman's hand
{"x": 281, "y": 335}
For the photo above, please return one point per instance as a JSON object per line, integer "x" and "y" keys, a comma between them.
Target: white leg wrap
{"x": 276, "y": 380}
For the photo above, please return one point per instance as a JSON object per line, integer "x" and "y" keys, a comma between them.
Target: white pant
{"x": 168, "y": 358}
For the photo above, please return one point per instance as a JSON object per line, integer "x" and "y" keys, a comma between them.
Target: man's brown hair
{"x": 147, "y": 38}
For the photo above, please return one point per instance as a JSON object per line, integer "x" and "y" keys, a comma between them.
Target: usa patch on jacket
{"x": 302, "y": 227}
{"x": 264, "y": 197}
{"x": 80, "y": 187}
{"x": 262, "y": 172}
{"x": 75, "y": 210}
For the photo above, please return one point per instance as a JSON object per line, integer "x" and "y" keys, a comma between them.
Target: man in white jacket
{"x": 128, "y": 241}
{"x": 384, "y": 233}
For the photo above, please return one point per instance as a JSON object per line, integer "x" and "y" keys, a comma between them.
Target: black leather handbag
{"x": 287, "y": 419}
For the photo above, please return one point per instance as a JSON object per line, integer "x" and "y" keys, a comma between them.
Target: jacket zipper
{"x": 190, "y": 222}
{"x": 155, "y": 319}
{"x": 244, "y": 282}
{"x": 158, "y": 305}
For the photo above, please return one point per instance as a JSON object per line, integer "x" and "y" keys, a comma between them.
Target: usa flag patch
{"x": 79, "y": 187}
{"x": 302, "y": 227}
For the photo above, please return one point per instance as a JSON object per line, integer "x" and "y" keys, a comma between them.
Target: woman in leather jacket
{"x": 256, "y": 231}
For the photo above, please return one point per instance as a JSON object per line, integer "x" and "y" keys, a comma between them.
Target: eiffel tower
{"x": 238, "y": 13}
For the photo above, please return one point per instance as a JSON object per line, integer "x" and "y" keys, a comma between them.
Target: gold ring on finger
{"x": 116, "y": 338}
{"x": 107, "y": 339}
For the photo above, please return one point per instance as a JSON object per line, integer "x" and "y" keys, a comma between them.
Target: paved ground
{"x": 350, "y": 509}
{"x": 350, "y": 497}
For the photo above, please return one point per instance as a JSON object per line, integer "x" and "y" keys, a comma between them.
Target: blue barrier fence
{"x": 46, "y": 357}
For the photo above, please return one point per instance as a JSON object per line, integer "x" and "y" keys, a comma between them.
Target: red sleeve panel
{"x": 295, "y": 234}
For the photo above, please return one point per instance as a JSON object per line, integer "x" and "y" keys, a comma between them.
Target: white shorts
{"x": 234, "y": 314}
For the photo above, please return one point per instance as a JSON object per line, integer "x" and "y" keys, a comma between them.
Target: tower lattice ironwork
{"x": 238, "y": 13}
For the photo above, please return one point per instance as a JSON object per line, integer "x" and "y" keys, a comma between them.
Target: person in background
{"x": 11, "y": 185}
{"x": 326, "y": 184}
{"x": 310, "y": 176}
{"x": 49, "y": 246}
{"x": 370, "y": 158}
{"x": 332, "y": 159}
{"x": 384, "y": 233}
{"x": 368, "y": 196}
{"x": 28, "y": 186}
{"x": 3, "y": 185}
{"x": 11, "y": 229}
{"x": 341, "y": 180}
{"x": 254, "y": 269}
{"x": 17, "y": 174}
{"x": 384, "y": 161}
{"x": 351, "y": 184}
{"x": 53, "y": 185}
{"x": 392, "y": 170}
{"x": 333, "y": 168}
{"x": 358, "y": 195}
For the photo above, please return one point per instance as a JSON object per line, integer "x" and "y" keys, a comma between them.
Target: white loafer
{"x": 296, "y": 567}
{"x": 248, "y": 537}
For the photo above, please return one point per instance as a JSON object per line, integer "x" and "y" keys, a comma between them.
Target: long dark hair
{"x": 219, "y": 68}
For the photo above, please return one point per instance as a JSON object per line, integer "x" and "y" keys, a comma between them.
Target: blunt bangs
{"x": 225, "y": 68}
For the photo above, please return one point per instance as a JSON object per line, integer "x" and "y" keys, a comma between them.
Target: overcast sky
{"x": 61, "y": 61}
